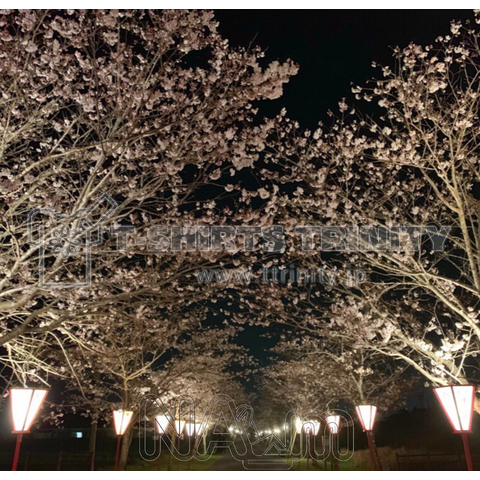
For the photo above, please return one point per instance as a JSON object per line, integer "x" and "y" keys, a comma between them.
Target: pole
{"x": 16, "y": 455}
{"x": 92, "y": 441}
{"x": 117, "y": 456}
{"x": 370, "y": 449}
{"x": 468, "y": 456}
{"x": 301, "y": 444}
{"x": 335, "y": 465}
{"x": 178, "y": 443}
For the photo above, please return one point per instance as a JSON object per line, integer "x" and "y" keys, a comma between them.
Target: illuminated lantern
{"x": 193, "y": 428}
{"x": 161, "y": 421}
{"x": 121, "y": 421}
{"x": 25, "y": 404}
{"x": 179, "y": 426}
{"x": 333, "y": 423}
{"x": 367, "y": 414}
{"x": 311, "y": 427}
{"x": 298, "y": 425}
{"x": 457, "y": 403}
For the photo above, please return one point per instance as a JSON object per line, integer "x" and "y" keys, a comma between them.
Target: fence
{"x": 434, "y": 461}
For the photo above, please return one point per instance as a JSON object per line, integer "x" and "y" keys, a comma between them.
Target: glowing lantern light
{"x": 367, "y": 414}
{"x": 193, "y": 428}
{"x": 333, "y": 423}
{"x": 298, "y": 425}
{"x": 161, "y": 421}
{"x": 179, "y": 426}
{"x": 121, "y": 421}
{"x": 311, "y": 427}
{"x": 457, "y": 403}
{"x": 25, "y": 404}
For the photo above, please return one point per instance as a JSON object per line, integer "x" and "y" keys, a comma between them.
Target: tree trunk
{"x": 173, "y": 443}
{"x": 476, "y": 405}
{"x": 126, "y": 442}
{"x": 92, "y": 441}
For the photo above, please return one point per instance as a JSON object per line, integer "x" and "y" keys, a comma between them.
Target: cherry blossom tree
{"x": 323, "y": 374}
{"x": 154, "y": 109}
{"x": 409, "y": 174}
{"x": 116, "y": 366}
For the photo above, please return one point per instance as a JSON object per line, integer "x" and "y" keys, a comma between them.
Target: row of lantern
{"x": 312, "y": 427}
{"x": 456, "y": 400}
{"x": 122, "y": 419}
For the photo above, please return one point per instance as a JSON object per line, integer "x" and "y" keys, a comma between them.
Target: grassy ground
{"x": 349, "y": 465}
{"x": 167, "y": 463}
{"x": 360, "y": 462}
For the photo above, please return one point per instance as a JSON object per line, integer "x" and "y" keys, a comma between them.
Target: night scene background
{"x": 143, "y": 122}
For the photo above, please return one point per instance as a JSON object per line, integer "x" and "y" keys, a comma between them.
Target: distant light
{"x": 276, "y": 430}
{"x": 333, "y": 423}
{"x": 457, "y": 403}
{"x": 78, "y": 435}
{"x": 25, "y": 404}
{"x": 298, "y": 425}
{"x": 311, "y": 427}
{"x": 193, "y": 428}
{"x": 179, "y": 426}
{"x": 121, "y": 420}
{"x": 366, "y": 414}
{"x": 161, "y": 422}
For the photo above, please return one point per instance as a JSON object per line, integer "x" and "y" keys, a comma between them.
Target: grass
{"x": 167, "y": 463}
{"x": 359, "y": 461}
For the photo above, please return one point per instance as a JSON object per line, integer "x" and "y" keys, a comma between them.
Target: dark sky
{"x": 333, "y": 48}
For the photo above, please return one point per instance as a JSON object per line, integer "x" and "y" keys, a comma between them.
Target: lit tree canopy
{"x": 416, "y": 164}
{"x": 152, "y": 108}
{"x": 324, "y": 374}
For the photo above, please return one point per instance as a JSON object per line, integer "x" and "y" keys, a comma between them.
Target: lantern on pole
{"x": 457, "y": 403}
{"x": 25, "y": 404}
{"x": 179, "y": 426}
{"x": 162, "y": 422}
{"x": 121, "y": 421}
{"x": 298, "y": 425}
{"x": 311, "y": 427}
{"x": 193, "y": 429}
{"x": 333, "y": 423}
{"x": 367, "y": 415}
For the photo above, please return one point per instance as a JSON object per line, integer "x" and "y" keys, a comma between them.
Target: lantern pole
{"x": 333, "y": 423}
{"x": 370, "y": 450}
{"x": 468, "y": 456}
{"x": 17, "y": 452}
{"x": 119, "y": 450}
{"x": 121, "y": 421}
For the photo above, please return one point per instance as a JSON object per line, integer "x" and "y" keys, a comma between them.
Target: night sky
{"x": 333, "y": 48}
